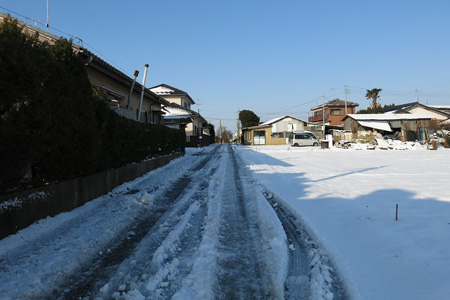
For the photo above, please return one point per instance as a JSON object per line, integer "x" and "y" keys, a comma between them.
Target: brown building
{"x": 331, "y": 112}
{"x": 273, "y": 132}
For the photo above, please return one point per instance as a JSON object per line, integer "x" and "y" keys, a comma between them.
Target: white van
{"x": 302, "y": 138}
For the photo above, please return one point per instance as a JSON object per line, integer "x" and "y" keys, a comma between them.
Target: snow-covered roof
{"x": 279, "y": 119}
{"x": 162, "y": 90}
{"x": 376, "y": 125}
{"x": 167, "y": 90}
{"x": 440, "y": 106}
{"x": 176, "y": 111}
{"x": 388, "y": 117}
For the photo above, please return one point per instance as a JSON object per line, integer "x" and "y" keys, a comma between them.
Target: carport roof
{"x": 376, "y": 125}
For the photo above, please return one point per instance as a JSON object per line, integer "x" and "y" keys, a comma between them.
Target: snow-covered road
{"x": 199, "y": 228}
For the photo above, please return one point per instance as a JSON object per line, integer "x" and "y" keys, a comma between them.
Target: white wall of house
{"x": 193, "y": 128}
{"x": 287, "y": 125}
{"x": 423, "y": 111}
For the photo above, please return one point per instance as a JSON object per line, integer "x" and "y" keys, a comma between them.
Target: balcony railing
{"x": 315, "y": 119}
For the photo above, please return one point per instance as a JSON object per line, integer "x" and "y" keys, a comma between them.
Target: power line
{"x": 405, "y": 93}
{"x": 81, "y": 42}
{"x": 220, "y": 119}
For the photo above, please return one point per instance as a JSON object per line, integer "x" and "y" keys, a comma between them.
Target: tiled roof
{"x": 336, "y": 102}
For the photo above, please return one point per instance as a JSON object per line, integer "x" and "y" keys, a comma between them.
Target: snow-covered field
{"x": 347, "y": 199}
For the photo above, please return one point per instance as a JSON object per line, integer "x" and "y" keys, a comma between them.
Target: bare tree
{"x": 224, "y": 135}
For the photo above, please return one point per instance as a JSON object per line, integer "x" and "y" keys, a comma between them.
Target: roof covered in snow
{"x": 167, "y": 90}
{"x": 387, "y": 117}
{"x": 406, "y": 108}
{"x": 376, "y": 125}
{"x": 279, "y": 119}
{"x": 175, "y": 110}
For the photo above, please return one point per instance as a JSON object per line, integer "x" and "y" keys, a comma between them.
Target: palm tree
{"x": 373, "y": 94}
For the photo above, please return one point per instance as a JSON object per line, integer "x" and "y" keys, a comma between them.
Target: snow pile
{"x": 8, "y": 205}
{"x": 381, "y": 144}
{"x": 274, "y": 244}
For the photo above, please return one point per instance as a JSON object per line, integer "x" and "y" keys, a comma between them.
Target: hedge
{"x": 54, "y": 126}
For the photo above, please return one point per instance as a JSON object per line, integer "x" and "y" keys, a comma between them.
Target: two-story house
{"x": 117, "y": 87}
{"x": 178, "y": 110}
{"x": 331, "y": 112}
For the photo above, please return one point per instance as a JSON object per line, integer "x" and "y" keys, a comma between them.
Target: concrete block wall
{"x": 21, "y": 209}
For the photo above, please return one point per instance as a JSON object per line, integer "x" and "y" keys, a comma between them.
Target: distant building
{"x": 404, "y": 126}
{"x": 331, "y": 112}
{"x": 273, "y": 132}
{"x": 178, "y": 114}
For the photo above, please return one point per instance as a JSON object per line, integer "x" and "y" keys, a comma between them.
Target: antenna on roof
{"x": 199, "y": 103}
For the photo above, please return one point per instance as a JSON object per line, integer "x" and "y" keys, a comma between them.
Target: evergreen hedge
{"x": 54, "y": 125}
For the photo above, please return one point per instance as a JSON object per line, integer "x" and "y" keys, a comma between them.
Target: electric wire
{"x": 81, "y": 42}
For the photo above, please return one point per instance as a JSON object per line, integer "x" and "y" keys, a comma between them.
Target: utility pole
{"x": 199, "y": 103}
{"x": 238, "y": 129}
{"x": 220, "y": 131}
{"x": 142, "y": 92}
{"x": 345, "y": 92}
{"x": 323, "y": 116}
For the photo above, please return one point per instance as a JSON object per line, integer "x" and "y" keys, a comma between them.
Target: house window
{"x": 278, "y": 135}
{"x": 336, "y": 112}
{"x": 259, "y": 138}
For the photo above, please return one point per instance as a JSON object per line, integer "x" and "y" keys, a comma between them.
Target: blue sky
{"x": 272, "y": 57}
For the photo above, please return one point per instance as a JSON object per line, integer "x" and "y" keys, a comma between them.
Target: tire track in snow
{"x": 239, "y": 274}
{"x": 310, "y": 274}
{"x": 163, "y": 257}
{"x": 94, "y": 276}
{"x": 37, "y": 251}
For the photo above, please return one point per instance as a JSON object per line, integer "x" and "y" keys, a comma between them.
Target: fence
{"x": 21, "y": 209}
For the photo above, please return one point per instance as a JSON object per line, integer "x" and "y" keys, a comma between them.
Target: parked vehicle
{"x": 302, "y": 138}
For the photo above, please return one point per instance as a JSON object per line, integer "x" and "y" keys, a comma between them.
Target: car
{"x": 303, "y": 138}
